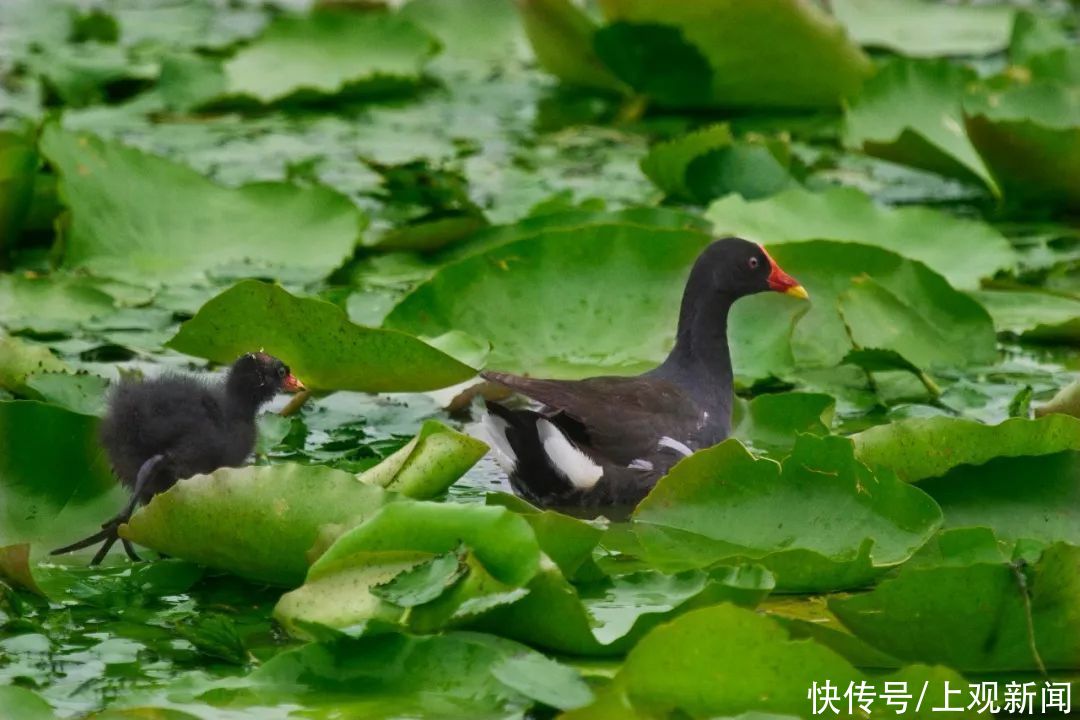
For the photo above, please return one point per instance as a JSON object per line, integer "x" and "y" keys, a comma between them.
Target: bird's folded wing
{"x": 619, "y": 419}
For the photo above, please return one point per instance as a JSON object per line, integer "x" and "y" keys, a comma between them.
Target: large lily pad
{"x": 842, "y": 526}
{"x": 317, "y": 340}
{"x": 920, "y": 28}
{"x": 921, "y": 448}
{"x": 562, "y": 40}
{"x": 50, "y": 304}
{"x": 548, "y": 305}
{"x": 1034, "y": 315}
{"x": 815, "y": 65}
{"x": 299, "y": 57}
{"x": 609, "y": 615}
{"x": 976, "y": 616}
{"x": 123, "y": 227}
{"x": 20, "y": 360}
{"x": 911, "y": 112}
{"x": 1029, "y": 137}
{"x": 350, "y": 581}
{"x": 256, "y": 522}
{"x": 55, "y": 483}
{"x": 919, "y": 233}
{"x": 682, "y": 669}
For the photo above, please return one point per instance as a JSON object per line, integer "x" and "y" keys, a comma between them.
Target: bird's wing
{"x": 617, "y": 419}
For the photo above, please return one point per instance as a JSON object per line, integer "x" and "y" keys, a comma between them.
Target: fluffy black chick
{"x": 159, "y": 431}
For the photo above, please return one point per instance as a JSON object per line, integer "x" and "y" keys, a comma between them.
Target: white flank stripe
{"x": 492, "y": 430}
{"x": 570, "y": 462}
{"x": 674, "y": 445}
{"x": 640, "y": 464}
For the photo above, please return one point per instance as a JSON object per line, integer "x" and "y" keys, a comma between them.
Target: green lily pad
{"x": 1029, "y": 137}
{"x": 80, "y": 392}
{"x": 770, "y": 423}
{"x": 353, "y": 580}
{"x": 921, "y": 448}
{"x": 975, "y": 617}
{"x": 317, "y": 340}
{"x": 388, "y": 674}
{"x": 546, "y": 305}
{"x": 55, "y": 483}
{"x": 20, "y": 360}
{"x": 429, "y": 463}
{"x": 840, "y": 213}
{"x": 562, "y": 35}
{"x": 708, "y": 164}
{"x": 926, "y": 29}
{"x": 815, "y": 65}
{"x": 1044, "y": 506}
{"x": 256, "y": 522}
{"x": 18, "y": 172}
{"x": 681, "y": 669}
{"x": 50, "y": 304}
{"x": 122, "y": 227}
{"x": 305, "y": 57}
{"x": 1034, "y": 315}
{"x": 18, "y": 702}
{"x": 845, "y": 524}
{"x": 866, "y": 297}
{"x": 608, "y": 616}
{"x": 911, "y": 112}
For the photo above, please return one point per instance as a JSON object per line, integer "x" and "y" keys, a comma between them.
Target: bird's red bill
{"x": 779, "y": 281}
{"x": 291, "y": 384}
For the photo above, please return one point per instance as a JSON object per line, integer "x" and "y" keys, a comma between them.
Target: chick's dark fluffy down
{"x": 180, "y": 417}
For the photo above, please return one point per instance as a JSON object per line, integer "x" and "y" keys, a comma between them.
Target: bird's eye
{"x": 282, "y": 371}
{"x": 753, "y": 263}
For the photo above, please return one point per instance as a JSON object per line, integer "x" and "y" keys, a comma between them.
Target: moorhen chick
{"x": 159, "y": 431}
{"x": 604, "y": 442}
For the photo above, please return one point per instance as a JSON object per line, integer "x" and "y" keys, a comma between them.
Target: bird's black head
{"x": 733, "y": 267}
{"x": 258, "y": 377}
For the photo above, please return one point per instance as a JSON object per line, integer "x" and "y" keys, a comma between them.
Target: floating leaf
{"x": 919, "y": 233}
{"x": 123, "y": 227}
{"x": 317, "y": 340}
{"x": 55, "y": 484}
{"x": 81, "y": 393}
{"x": 18, "y": 702}
{"x": 844, "y": 526}
{"x": 349, "y": 582}
{"x": 608, "y": 616}
{"x": 815, "y": 65}
{"x": 50, "y": 304}
{"x": 975, "y": 616}
{"x": 18, "y": 171}
{"x": 1029, "y": 137}
{"x": 19, "y": 360}
{"x": 256, "y": 522}
{"x": 921, "y": 448}
{"x": 771, "y": 422}
{"x": 562, "y": 39}
{"x": 429, "y": 463}
{"x": 919, "y": 28}
{"x": 305, "y": 57}
{"x": 911, "y": 112}
{"x": 681, "y": 669}
{"x": 1034, "y": 315}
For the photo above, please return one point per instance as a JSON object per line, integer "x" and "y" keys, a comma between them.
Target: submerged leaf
{"x": 316, "y": 339}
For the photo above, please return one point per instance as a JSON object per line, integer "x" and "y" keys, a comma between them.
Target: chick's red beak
{"x": 779, "y": 281}
{"x": 291, "y": 384}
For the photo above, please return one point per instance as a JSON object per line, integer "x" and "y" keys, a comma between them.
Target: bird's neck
{"x": 241, "y": 401}
{"x": 701, "y": 359}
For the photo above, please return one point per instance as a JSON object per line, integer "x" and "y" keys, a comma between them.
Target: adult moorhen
{"x": 606, "y": 441}
{"x": 159, "y": 431}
